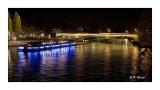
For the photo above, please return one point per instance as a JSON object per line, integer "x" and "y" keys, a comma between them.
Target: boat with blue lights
{"x": 37, "y": 46}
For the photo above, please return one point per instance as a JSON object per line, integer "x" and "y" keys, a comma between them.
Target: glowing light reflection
{"x": 20, "y": 47}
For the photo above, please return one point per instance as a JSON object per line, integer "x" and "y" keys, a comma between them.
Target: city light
{"x": 135, "y": 30}
{"x": 108, "y": 30}
{"x": 84, "y": 44}
{"x": 100, "y": 34}
{"x": 20, "y": 47}
{"x": 126, "y": 31}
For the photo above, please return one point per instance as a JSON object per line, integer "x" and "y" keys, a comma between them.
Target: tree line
{"x": 14, "y": 24}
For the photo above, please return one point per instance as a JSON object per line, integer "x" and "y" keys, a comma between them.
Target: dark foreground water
{"x": 90, "y": 62}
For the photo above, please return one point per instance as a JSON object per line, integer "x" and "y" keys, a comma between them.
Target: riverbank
{"x": 142, "y": 44}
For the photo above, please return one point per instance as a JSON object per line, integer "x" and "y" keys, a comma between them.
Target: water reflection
{"x": 90, "y": 62}
{"x": 141, "y": 65}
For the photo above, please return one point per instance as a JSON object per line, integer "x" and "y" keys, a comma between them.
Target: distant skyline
{"x": 66, "y": 17}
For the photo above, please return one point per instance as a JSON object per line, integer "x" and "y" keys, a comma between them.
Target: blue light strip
{"x": 41, "y": 47}
{"x": 55, "y": 45}
{"x": 48, "y": 46}
{"x": 20, "y": 47}
{"x": 29, "y": 47}
{"x": 64, "y": 44}
{"x": 36, "y": 47}
{"x": 73, "y": 43}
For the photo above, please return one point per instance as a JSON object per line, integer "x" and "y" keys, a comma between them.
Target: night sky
{"x": 94, "y": 17}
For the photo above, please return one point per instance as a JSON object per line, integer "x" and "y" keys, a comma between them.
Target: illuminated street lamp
{"x": 126, "y": 31}
{"x": 80, "y": 28}
{"x": 108, "y": 30}
{"x": 136, "y": 31}
{"x": 42, "y": 35}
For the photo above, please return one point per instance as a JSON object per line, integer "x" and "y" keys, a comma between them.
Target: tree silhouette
{"x": 10, "y": 28}
{"x": 145, "y": 26}
{"x": 17, "y": 24}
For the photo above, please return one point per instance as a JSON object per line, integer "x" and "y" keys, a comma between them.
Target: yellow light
{"x": 126, "y": 31}
{"x": 136, "y": 30}
{"x": 101, "y": 34}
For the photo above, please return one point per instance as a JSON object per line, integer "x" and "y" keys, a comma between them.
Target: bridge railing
{"x": 99, "y": 34}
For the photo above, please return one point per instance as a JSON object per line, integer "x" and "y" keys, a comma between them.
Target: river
{"x": 97, "y": 62}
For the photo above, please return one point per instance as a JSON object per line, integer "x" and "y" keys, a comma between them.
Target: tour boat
{"x": 37, "y": 46}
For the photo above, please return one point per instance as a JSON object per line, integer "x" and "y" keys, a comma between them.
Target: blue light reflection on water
{"x": 40, "y": 64}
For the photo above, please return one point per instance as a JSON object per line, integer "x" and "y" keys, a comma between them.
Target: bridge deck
{"x": 99, "y": 34}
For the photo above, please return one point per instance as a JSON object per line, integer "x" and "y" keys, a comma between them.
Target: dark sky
{"x": 45, "y": 17}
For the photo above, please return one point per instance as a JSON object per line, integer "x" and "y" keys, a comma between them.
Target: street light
{"x": 108, "y": 30}
{"x": 136, "y": 30}
{"x": 126, "y": 31}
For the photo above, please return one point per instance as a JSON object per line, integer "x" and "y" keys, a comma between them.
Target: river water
{"x": 97, "y": 62}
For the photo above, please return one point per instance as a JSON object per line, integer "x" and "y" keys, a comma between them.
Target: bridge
{"x": 98, "y": 35}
